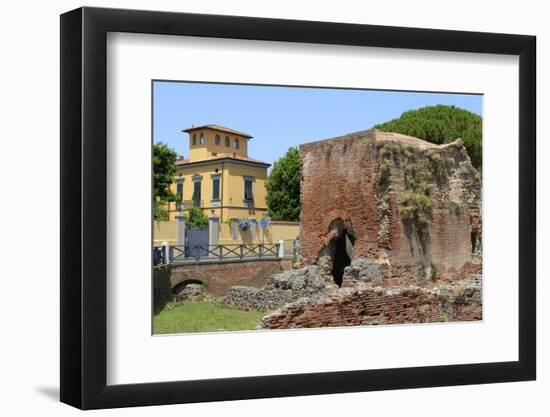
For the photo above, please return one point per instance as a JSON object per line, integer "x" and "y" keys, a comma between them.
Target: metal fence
{"x": 204, "y": 253}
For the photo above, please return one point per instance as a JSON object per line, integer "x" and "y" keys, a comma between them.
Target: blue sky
{"x": 280, "y": 117}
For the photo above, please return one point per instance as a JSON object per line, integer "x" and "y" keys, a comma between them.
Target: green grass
{"x": 203, "y": 316}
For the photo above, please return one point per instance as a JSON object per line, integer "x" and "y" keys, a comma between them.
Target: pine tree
{"x": 441, "y": 124}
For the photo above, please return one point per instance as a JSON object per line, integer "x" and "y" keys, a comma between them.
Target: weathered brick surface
{"x": 340, "y": 180}
{"x": 220, "y": 276}
{"x": 377, "y": 306}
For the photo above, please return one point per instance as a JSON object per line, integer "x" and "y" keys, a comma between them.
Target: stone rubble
{"x": 302, "y": 298}
{"x": 191, "y": 292}
{"x": 280, "y": 289}
{"x": 363, "y": 272}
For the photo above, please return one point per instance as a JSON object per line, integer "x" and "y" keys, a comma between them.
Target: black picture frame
{"x": 84, "y": 207}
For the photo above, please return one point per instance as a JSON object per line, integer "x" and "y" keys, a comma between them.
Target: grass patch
{"x": 203, "y": 316}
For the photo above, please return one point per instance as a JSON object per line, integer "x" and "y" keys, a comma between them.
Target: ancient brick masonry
{"x": 378, "y": 306}
{"x": 220, "y": 276}
{"x": 408, "y": 203}
{"x": 390, "y": 233}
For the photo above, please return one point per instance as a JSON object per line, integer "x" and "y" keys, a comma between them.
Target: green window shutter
{"x": 248, "y": 190}
{"x": 197, "y": 193}
{"x": 216, "y": 188}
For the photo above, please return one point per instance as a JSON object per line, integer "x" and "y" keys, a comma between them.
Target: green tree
{"x": 196, "y": 219}
{"x": 164, "y": 169}
{"x": 283, "y": 187}
{"x": 441, "y": 124}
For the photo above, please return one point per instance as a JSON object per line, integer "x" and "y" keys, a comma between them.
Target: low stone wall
{"x": 280, "y": 289}
{"x": 376, "y": 306}
{"x": 219, "y": 276}
{"x": 162, "y": 291}
{"x": 248, "y": 298}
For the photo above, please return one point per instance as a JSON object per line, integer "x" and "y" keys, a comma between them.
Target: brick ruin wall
{"x": 411, "y": 204}
{"x": 220, "y": 276}
{"x": 379, "y": 306}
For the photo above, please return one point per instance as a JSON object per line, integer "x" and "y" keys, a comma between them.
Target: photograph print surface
{"x": 283, "y": 207}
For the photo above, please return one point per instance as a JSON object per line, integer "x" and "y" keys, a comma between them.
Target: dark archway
{"x": 339, "y": 249}
{"x": 474, "y": 240}
{"x": 181, "y": 285}
{"x": 340, "y": 259}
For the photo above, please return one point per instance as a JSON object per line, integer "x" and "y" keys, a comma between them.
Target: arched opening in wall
{"x": 178, "y": 288}
{"x": 339, "y": 249}
{"x": 473, "y": 239}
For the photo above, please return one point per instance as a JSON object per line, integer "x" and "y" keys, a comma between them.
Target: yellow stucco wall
{"x": 231, "y": 206}
{"x": 232, "y": 174}
{"x": 287, "y": 231}
{"x": 165, "y": 232}
{"x": 203, "y": 151}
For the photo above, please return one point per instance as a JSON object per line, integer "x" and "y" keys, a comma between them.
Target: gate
{"x": 196, "y": 243}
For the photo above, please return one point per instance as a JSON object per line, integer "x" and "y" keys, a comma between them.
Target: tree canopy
{"x": 441, "y": 124}
{"x": 164, "y": 169}
{"x": 283, "y": 187}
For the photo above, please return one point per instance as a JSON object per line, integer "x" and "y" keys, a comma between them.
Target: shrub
{"x": 416, "y": 209}
{"x": 433, "y": 271}
{"x": 196, "y": 219}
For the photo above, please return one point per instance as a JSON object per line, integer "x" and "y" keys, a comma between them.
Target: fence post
{"x": 281, "y": 248}
{"x": 166, "y": 252}
{"x": 241, "y": 250}
{"x": 260, "y": 247}
{"x": 213, "y": 231}
{"x": 180, "y": 218}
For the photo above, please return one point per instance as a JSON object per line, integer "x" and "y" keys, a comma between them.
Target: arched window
{"x": 236, "y": 143}
{"x": 218, "y": 140}
{"x": 194, "y": 139}
{"x": 227, "y": 142}
{"x": 201, "y": 140}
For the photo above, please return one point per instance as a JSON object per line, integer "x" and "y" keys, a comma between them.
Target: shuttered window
{"x": 248, "y": 195}
{"x": 197, "y": 193}
{"x": 215, "y": 188}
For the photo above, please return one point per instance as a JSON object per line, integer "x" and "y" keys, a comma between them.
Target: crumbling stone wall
{"x": 403, "y": 201}
{"x": 280, "y": 289}
{"x": 378, "y": 306}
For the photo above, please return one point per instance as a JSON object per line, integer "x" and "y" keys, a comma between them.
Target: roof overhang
{"x": 218, "y": 129}
{"x": 227, "y": 159}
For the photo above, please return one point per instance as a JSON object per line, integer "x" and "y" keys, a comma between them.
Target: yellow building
{"x": 228, "y": 185}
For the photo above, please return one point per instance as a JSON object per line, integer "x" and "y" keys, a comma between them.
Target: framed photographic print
{"x": 257, "y": 207}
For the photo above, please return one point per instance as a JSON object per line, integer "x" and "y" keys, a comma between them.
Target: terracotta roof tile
{"x": 218, "y": 128}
